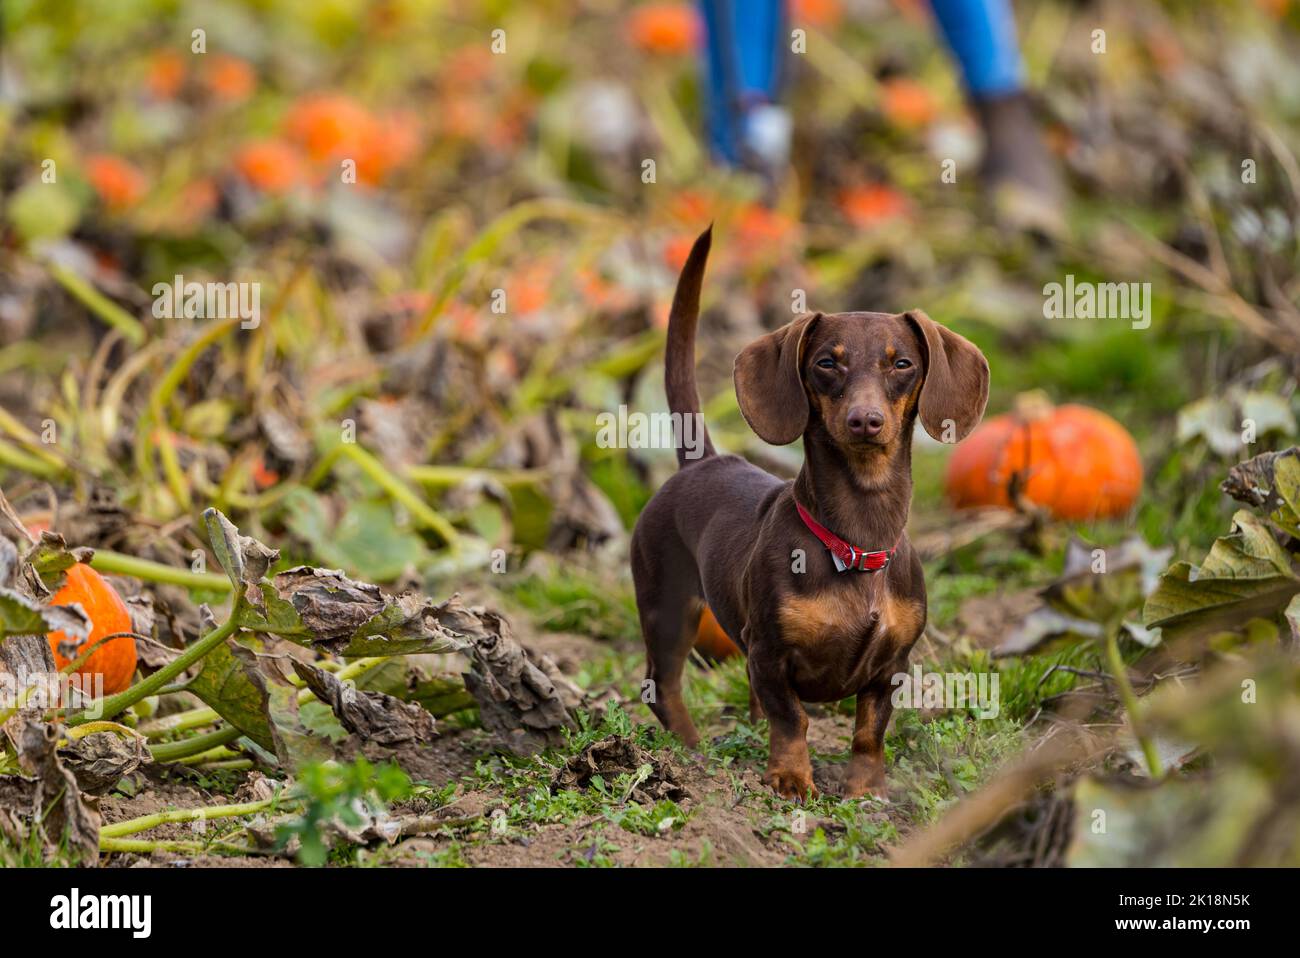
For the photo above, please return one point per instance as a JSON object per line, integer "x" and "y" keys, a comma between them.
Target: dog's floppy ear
{"x": 769, "y": 382}
{"x": 956, "y": 386}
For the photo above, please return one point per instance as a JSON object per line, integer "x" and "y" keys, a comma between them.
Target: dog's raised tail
{"x": 679, "y": 360}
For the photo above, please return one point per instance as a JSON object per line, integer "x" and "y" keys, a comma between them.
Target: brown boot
{"x": 1021, "y": 177}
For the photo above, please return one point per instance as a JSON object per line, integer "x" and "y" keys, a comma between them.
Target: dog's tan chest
{"x": 838, "y": 613}
{"x": 840, "y": 635}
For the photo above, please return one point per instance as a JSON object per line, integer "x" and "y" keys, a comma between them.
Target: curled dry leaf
{"x": 257, "y": 788}
{"x": 100, "y": 760}
{"x": 1270, "y": 481}
{"x": 1252, "y": 481}
{"x": 517, "y": 699}
{"x": 324, "y": 609}
{"x": 55, "y": 803}
{"x": 374, "y": 716}
{"x": 245, "y": 560}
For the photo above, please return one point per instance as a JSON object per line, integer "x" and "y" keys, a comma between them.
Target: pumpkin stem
{"x": 1032, "y": 406}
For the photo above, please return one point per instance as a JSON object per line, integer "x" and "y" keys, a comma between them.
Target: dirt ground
{"x": 731, "y": 818}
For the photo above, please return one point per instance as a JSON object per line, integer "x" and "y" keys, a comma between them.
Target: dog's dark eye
{"x": 902, "y": 364}
{"x": 826, "y": 363}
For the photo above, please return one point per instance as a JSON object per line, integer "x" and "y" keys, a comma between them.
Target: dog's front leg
{"x": 866, "y": 773}
{"x": 789, "y": 767}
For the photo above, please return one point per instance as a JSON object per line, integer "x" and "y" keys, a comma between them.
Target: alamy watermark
{"x": 193, "y": 300}
{"x": 655, "y": 430}
{"x": 75, "y": 911}
{"x": 54, "y": 690}
{"x": 947, "y": 690}
{"x": 1086, "y": 300}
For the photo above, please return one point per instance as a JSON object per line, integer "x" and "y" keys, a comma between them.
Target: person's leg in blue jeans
{"x": 982, "y": 37}
{"x": 747, "y": 43}
{"x": 746, "y": 52}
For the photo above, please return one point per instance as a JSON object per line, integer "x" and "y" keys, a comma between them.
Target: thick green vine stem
{"x": 116, "y": 704}
{"x": 143, "y": 846}
{"x": 146, "y": 822}
{"x": 195, "y": 745}
{"x": 115, "y": 563}
{"x": 1119, "y": 671}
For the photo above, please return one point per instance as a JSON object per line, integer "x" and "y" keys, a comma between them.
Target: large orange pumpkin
{"x": 115, "y": 659}
{"x": 711, "y": 641}
{"x": 1076, "y": 462}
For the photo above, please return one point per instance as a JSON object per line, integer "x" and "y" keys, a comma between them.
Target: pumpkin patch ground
{"x": 313, "y": 551}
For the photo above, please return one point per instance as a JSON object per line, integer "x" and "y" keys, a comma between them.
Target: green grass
{"x": 569, "y": 599}
{"x": 31, "y": 853}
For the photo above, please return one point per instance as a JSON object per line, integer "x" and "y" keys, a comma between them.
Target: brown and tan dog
{"x": 723, "y": 532}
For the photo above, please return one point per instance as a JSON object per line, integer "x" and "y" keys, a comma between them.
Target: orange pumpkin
{"x": 119, "y": 183}
{"x": 871, "y": 204}
{"x": 115, "y": 659}
{"x": 1076, "y": 462}
{"x": 273, "y": 166}
{"x": 665, "y": 28}
{"x": 229, "y": 78}
{"x": 711, "y": 641}
{"x": 907, "y": 103}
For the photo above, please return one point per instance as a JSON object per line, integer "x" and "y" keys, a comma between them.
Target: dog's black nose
{"x": 865, "y": 422}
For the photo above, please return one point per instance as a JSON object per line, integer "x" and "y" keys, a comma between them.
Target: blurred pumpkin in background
{"x": 327, "y": 125}
{"x": 115, "y": 659}
{"x": 165, "y": 74}
{"x": 119, "y": 183}
{"x": 711, "y": 641}
{"x": 870, "y": 204}
{"x": 907, "y": 104}
{"x": 273, "y": 166}
{"x": 1076, "y": 462}
{"x": 229, "y": 78}
{"x": 669, "y": 29}
{"x": 817, "y": 13}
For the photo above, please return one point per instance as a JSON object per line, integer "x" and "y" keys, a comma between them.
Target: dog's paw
{"x": 796, "y": 785}
{"x": 866, "y": 788}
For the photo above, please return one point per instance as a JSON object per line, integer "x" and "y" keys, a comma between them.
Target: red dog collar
{"x": 846, "y": 556}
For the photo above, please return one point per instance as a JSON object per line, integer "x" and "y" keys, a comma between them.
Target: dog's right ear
{"x": 769, "y": 382}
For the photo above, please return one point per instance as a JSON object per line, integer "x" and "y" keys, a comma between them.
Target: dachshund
{"x": 814, "y": 579}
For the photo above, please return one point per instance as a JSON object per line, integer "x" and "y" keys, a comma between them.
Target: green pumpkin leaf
{"x": 230, "y": 684}
{"x": 1246, "y": 575}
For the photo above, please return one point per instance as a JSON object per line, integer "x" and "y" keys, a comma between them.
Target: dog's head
{"x": 865, "y": 377}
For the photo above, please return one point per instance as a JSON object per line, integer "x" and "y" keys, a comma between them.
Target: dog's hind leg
{"x": 669, "y": 602}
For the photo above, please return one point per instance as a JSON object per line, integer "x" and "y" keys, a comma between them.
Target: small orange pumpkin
{"x": 711, "y": 641}
{"x": 665, "y": 28}
{"x": 273, "y": 166}
{"x": 119, "y": 183}
{"x": 115, "y": 659}
{"x": 1076, "y": 462}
